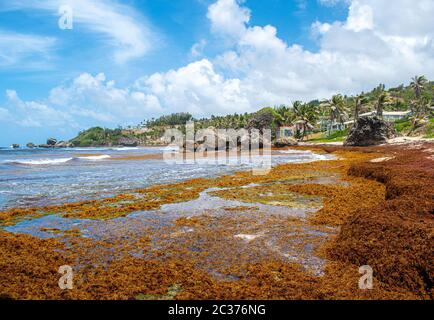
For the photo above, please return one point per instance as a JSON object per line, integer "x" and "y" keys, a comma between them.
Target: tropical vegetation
{"x": 328, "y": 116}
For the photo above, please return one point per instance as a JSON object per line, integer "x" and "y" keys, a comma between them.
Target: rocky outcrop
{"x": 30, "y": 145}
{"x": 128, "y": 142}
{"x": 51, "y": 141}
{"x": 211, "y": 139}
{"x": 15, "y": 146}
{"x": 285, "y": 142}
{"x": 369, "y": 132}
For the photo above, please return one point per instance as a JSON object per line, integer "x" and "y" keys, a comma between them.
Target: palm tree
{"x": 337, "y": 109}
{"x": 359, "y": 102}
{"x": 283, "y": 115}
{"x": 382, "y": 100}
{"x": 306, "y": 113}
{"x": 418, "y": 84}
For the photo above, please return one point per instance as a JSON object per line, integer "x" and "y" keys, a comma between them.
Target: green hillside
{"x": 315, "y": 116}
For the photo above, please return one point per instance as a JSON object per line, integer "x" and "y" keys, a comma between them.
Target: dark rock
{"x": 15, "y": 146}
{"x": 211, "y": 139}
{"x": 128, "y": 142}
{"x": 369, "y": 131}
{"x": 285, "y": 142}
{"x": 30, "y": 145}
{"x": 51, "y": 141}
{"x": 45, "y": 146}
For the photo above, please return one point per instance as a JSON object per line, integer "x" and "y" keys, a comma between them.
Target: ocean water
{"x": 39, "y": 177}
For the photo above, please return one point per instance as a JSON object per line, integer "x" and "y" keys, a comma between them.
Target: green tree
{"x": 359, "y": 102}
{"x": 283, "y": 115}
{"x": 418, "y": 84}
{"x": 382, "y": 100}
{"x": 337, "y": 110}
{"x": 307, "y": 114}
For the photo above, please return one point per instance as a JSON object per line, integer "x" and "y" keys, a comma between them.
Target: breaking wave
{"x": 56, "y": 161}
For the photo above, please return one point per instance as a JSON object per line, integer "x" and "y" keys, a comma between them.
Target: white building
{"x": 389, "y": 116}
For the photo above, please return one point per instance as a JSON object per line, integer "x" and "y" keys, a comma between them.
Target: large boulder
{"x": 285, "y": 142}
{"x": 51, "y": 142}
{"x": 369, "y": 131}
{"x": 128, "y": 142}
{"x": 212, "y": 139}
{"x": 30, "y": 145}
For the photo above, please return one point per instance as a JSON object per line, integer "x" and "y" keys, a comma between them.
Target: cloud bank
{"x": 374, "y": 44}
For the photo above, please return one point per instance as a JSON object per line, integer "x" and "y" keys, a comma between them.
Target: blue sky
{"x": 124, "y": 61}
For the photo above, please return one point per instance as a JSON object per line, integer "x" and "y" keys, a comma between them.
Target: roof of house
{"x": 388, "y": 113}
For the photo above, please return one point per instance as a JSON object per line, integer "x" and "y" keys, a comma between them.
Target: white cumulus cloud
{"x": 196, "y": 88}
{"x": 228, "y": 18}
{"x": 85, "y": 101}
{"x": 377, "y": 42}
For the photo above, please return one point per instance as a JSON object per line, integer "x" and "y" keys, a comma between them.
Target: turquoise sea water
{"x": 38, "y": 177}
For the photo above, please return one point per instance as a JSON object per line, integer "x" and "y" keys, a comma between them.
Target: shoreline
{"x": 398, "y": 140}
{"x": 341, "y": 201}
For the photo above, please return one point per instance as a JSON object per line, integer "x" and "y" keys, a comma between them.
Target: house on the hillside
{"x": 389, "y": 116}
{"x": 285, "y": 132}
{"x": 291, "y": 131}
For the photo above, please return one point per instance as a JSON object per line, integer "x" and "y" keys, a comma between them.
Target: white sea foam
{"x": 290, "y": 151}
{"x": 311, "y": 155}
{"x": 169, "y": 148}
{"x": 125, "y": 148}
{"x": 89, "y": 149}
{"x": 53, "y": 161}
{"x": 95, "y": 158}
{"x": 38, "y": 162}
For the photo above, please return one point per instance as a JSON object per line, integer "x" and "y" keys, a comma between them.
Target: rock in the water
{"x": 45, "y": 146}
{"x": 285, "y": 142}
{"x": 30, "y": 145}
{"x": 128, "y": 142}
{"x": 212, "y": 139}
{"x": 369, "y": 132}
{"x": 15, "y": 146}
{"x": 51, "y": 141}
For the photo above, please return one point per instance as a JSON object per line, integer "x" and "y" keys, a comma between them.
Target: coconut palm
{"x": 418, "y": 84}
{"x": 283, "y": 115}
{"x": 359, "y": 102}
{"x": 337, "y": 109}
{"x": 383, "y": 99}
{"x": 307, "y": 114}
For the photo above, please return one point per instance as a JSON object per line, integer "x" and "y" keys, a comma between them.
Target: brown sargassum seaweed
{"x": 383, "y": 212}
